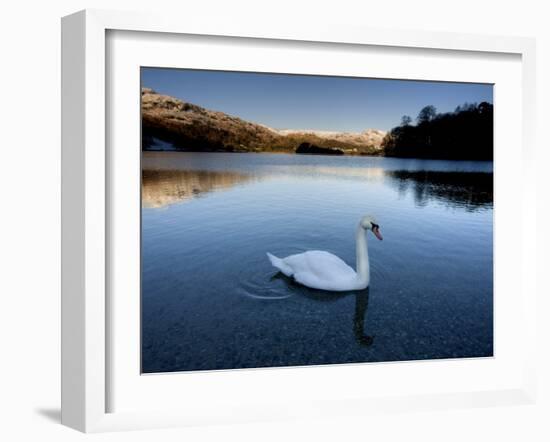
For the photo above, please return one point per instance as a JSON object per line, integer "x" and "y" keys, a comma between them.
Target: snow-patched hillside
{"x": 169, "y": 123}
{"x": 372, "y": 137}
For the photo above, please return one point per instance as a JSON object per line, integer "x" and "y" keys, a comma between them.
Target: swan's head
{"x": 369, "y": 223}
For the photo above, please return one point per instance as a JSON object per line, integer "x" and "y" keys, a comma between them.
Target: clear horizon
{"x": 285, "y": 101}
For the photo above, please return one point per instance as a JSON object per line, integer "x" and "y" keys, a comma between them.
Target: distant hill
{"x": 172, "y": 124}
{"x": 369, "y": 137}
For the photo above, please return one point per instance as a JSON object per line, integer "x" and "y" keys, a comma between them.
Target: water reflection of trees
{"x": 161, "y": 188}
{"x": 470, "y": 190}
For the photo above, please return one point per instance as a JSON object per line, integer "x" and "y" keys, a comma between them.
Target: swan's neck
{"x": 362, "y": 256}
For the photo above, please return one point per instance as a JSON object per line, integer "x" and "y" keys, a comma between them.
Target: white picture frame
{"x": 87, "y": 356}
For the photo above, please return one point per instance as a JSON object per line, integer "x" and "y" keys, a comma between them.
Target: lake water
{"x": 212, "y": 300}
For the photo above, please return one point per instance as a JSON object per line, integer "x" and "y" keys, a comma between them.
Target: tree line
{"x": 464, "y": 134}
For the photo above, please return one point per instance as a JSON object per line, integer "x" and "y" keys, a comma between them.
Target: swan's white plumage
{"x": 319, "y": 270}
{"x": 280, "y": 264}
{"x": 323, "y": 270}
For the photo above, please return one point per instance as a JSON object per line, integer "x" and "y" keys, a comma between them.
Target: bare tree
{"x": 427, "y": 113}
{"x": 406, "y": 120}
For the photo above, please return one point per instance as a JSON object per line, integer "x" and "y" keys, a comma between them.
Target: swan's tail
{"x": 280, "y": 264}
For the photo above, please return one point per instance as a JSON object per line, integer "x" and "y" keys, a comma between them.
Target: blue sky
{"x": 312, "y": 102}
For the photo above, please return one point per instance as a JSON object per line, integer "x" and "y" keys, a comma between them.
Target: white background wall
{"x": 30, "y": 221}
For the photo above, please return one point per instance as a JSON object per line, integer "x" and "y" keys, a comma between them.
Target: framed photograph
{"x": 262, "y": 222}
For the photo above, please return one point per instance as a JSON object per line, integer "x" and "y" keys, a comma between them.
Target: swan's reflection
{"x": 361, "y": 304}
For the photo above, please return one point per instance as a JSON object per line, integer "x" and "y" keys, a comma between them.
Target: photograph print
{"x": 302, "y": 220}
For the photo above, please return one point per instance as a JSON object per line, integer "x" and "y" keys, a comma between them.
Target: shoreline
{"x": 317, "y": 155}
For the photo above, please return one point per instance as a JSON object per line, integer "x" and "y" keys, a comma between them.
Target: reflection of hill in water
{"x": 362, "y": 173}
{"x": 161, "y": 188}
{"x": 471, "y": 190}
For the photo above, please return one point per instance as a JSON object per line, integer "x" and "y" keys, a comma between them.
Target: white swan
{"x": 323, "y": 270}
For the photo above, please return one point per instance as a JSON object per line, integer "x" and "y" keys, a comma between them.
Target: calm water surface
{"x": 211, "y": 299}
